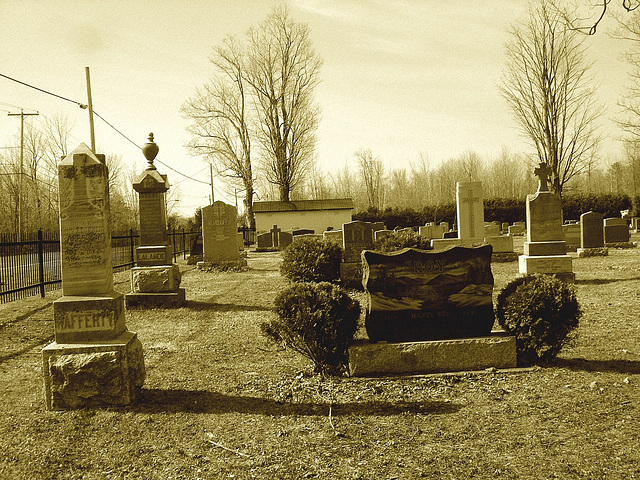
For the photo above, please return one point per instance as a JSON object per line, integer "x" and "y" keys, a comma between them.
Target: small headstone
{"x": 504, "y": 228}
{"x": 302, "y": 231}
{"x": 491, "y": 230}
{"x": 284, "y": 239}
{"x": 516, "y": 230}
{"x": 307, "y": 235}
{"x": 592, "y": 235}
{"x": 357, "y": 236}
{"x": 381, "y": 234}
{"x": 416, "y": 295}
{"x": 616, "y": 230}
{"x": 333, "y": 236}
{"x": 264, "y": 240}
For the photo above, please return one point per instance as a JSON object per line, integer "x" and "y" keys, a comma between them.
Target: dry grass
{"x": 219, "y": 402}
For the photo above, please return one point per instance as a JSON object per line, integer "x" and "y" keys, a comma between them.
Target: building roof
{"x": 303, "y": 205}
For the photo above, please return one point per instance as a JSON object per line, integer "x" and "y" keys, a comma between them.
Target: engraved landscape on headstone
{"x": 417, "y": 295}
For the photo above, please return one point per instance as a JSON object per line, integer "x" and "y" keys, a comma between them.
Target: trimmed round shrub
{"x": 311, "y": 260}
{"x": 402, "y": 239}
{"x": 317, "y": 320}
{"x": 541, "y": 311}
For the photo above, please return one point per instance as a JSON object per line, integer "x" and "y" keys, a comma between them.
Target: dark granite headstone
{"x": 264, "y": 240}
{"x": 196, "y": 245}
{"x": 616, "y": 230}
{"x": 591, "y": 230}
{"x": 357, "y": 236}
{"x": 415, "y": 295}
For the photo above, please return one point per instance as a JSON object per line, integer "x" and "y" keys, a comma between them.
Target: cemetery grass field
{"x": 220, "y": 402}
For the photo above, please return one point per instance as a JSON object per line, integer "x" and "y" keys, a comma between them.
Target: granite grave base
{"x": 155, "y": 279}
{"x": 222, "y": 264}
{"x": 367, "y": 359}
{"x": 593, "y": 252}
{"x": 351, "y": 274}
{"x": 504, "y": 257}
{"x": 620, "y": 245}
{"x": 93, "y": 374}
{"x": 156, "y": 300}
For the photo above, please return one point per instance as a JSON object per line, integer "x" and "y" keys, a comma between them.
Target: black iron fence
{"x": 31, "y": 265}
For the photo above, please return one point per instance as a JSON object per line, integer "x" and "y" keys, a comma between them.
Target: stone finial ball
{"x": 150, "y": 149}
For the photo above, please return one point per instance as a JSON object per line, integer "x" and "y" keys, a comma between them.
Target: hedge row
{"x": 503, "y": 210}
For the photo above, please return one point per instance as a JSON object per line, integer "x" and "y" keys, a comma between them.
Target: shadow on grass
{"x": 197, "y": 401}
{"x": 616, "y": 366}
{"x": 604, "y": 281}
{"x": 223, "y": 307}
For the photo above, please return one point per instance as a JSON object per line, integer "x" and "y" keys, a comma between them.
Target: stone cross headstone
{"x": 416, "y": 295}
{"x": 542, "y": 172}
{"x": 545, "y": 248}
{"x": 155, "y": 280}
{"x": 470, "y": 211}
{"x": 94, "y": 360}
{"x": 275, "y": 236}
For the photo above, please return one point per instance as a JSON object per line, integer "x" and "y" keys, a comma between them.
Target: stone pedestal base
{"x": 222, "y": 264}
{"x": 559, "y": 265}
{"x": 83, "y": 319}
{"x": 93, "y": 374}
{"x": 156, "y": 300}
{"x": 368, "y": 359}
{"x": 593, "y": 252}
{"x": 155, "y": 279}
{"x": 545, "y": 248}
{"x": 351, "y": 274}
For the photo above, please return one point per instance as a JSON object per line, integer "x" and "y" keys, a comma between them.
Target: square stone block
{"x": 87, "y": 319}
{"x": 155, "y": 279}
{"x": 558, "y": 265}
{"x": 156, "y": 300}
{"x": 93, "y": 374}
{"x": 438, "y": 244}
{"x": 500, "y": 243}
{"x": 150, "y": 255}
{"x": 368, "y": 359}
{"x": 545, "y": 248}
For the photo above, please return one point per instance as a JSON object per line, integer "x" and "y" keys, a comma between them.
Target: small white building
{"x": 316, "y": 215}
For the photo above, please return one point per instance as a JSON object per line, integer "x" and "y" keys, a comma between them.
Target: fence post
{"x": 173, "y": 230}
{"x": 41, "y": 261}
{"x": 184, "y": 245}
{"x": 131, "y": 246}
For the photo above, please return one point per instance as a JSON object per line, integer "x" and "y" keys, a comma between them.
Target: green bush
{"x": 540, "y": 311}
{"x": 317, "y": 320}
{"x": 400, "y": 240}
{"x": 311, "y": 260}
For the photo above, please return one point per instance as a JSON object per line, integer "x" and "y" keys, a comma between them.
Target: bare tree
{"x": 372, "y": 172}
{"x": 547, "y": 86}
{"x": 221, "y": 121}
{"x": 283, "y": 69}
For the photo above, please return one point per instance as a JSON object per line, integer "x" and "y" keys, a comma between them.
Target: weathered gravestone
{"x": 94, "y": 360}
{"x": 616, "y": 231}
{"x": 470, "y": 216}
{"x": 437, "y": 306}
{"x": 592, "y": 235}
{"x": 430, "y": 231}
{"x": 155, "y": 280}
{"x": 274, "y": 238}
{"x": 379, "y": 235}
{"x": 334, "y": 236}
{"x": 195, "y": 250}
{"x": 220, "y": 239}
{"x": 264, "y": 240}
{"x": 419, "y": 295}
{"x": 571, "y": 232}
{"x": 491, "y": 230}
{"x": 356, "y": 237}
{"x": 545, "y": 248}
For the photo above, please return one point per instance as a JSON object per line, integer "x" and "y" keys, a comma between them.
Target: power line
{"x": 82, "y": 105}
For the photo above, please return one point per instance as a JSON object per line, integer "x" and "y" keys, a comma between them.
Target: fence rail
{"x": 31, "y": 265}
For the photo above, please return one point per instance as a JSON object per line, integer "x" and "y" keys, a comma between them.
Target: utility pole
{"x": 211, "y": 173}
{"x": 90, "y": 104}
{"x": 21, "y": 115}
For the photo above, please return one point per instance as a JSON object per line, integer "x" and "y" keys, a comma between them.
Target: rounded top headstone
{"x": 150, "y": 150}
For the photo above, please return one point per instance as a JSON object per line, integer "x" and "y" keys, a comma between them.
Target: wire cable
{"x": 82, "y": 105}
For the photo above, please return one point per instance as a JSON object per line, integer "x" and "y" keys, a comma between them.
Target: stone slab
{"x": 239, "y": 263}
{"x": 156, "y": 279}
{"x": 438, "y": 244}
{"x": 96, "y": 374}
{"x": 545, "y": 248}
{"x": 151, "y": 255}
{"x": 544, "y": 217}
{"x": 83, "y": 319}
{"x": 156, "y": 300}
{"x": 368, "y": 359}
{"x": 500, "y": 243}
{"x": 593, "y": 252}
{"x": 559, "y": 265}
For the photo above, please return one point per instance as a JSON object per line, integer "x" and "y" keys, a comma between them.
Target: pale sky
{"x": 399, "y": 77}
